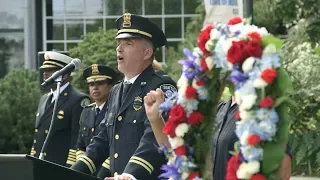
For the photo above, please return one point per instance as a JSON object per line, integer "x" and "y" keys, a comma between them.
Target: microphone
{"x": 74, "y": 64}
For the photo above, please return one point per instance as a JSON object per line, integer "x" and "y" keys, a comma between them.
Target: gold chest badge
{"x": 137, "y": 103}
{"x": 126, "y": 20}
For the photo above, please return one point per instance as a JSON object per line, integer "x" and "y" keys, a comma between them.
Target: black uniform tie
{"x": 125, "y": 90}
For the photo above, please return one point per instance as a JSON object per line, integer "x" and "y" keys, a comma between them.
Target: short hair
{"x": 149, "y": 44}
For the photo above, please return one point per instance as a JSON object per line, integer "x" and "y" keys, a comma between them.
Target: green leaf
{"x": 272, "y": 157}
{"x": 272, "y": 40}
{"x": 283, "y": 84}
{"x": 283, "y": 99}
{"x": 317, "y": 51}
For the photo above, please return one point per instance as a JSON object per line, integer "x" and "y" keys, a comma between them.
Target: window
{"x": 72, "y": 18}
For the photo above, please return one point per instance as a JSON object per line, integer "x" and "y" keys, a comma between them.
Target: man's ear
{"x": 148, "y": 53}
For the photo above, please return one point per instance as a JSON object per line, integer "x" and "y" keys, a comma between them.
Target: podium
{"x": 25, "y": 167}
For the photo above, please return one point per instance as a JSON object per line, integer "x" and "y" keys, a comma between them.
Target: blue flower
{"x": 270, "y": 61}
{"x": 251, "y": 153}
{"x": 219, "y": 57}
{"x": 238, "y": 78}
{"x": 170, "y": 171}
{"x": 266, "y": 114}
{"x": 190, "y": 68}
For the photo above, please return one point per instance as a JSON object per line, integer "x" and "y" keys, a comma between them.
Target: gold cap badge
{"x": 126, "y": 20}
{"x": 47, "y": 57}
{"x": 95, "y": 69}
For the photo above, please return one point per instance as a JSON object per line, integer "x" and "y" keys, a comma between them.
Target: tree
{"x": 96, "y": 48}
{"x": 20, "y": 94}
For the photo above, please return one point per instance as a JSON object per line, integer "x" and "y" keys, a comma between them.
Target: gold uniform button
{"x": 91, "y": 140}
{"x": 92, "y": 129}
{"x": 134, "y": 121}
{"x": 117, "y": 136}
{"x": 46, "y": 131}
{"x": 36, "y": 130}
{"x": 84, "y": 128}
{"x": 34, "y": 141}
{"x": 119, "y": 118}
{"x": 115, "y": 174}
{"x": 44, "y": 153}
{"x": 116, "y": 155}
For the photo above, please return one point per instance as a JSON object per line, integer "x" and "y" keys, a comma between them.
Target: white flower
{"x": 176, "y": 142}
{"x": 209, "y": 61}
{"x": 263, "y": 32}
{"x": 194, "y": 84}
{"x": 215, "y": 34}
{"x": 209, "y": 45}
{"x": 246, "y": 115}
{"x": 237, "y": 97}
{"x": 189, "y": 105}
{"x": 197, "y": 52}
{"x": 260, "y": 83}
{"x": 244, "y": 138}
{"x": 230, "y": 66}
{"x": 226, "y": 46}
{"x": 270, "y": 49}
{"x": 246, "y": 170}
{"x": 184, "y": 175}
{"x": 181, "y": 129}
{"x": 248, "y": 101}
{"x": 248, "y": 64}
{"x": 182, "y": 82}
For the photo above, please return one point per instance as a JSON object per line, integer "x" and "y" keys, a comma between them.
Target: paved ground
{"x": 304, "y": 178}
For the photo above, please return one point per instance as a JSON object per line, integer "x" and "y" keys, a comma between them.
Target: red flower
{"x": 266, "y": 102}
{"x": 204, "y": 65}
{"x": 170, "y": 128}
{"x": 203, "y": 37}
{"x": 237, "y": 52}
{"x": 181, "y": 150}
{"x": 235, "y": 20}
{"x": 177, "y": 114}
{"x": 200, "y": 82}
{"x": 195, "y": 118}
{"x": 255, "y": 35}
{"x": 254, "y": 140}
{"x": 268, "y": 75}
{"x": 254, "y": 48}
{"x": 193, "y": 175}
{"x": 258, "y": 177}
{"x": 237, "y": 116}
{"x": 191, "y": 92}
{"x": 232, "y": 167}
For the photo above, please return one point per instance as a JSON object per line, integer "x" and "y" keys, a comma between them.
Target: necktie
{"x": 97, "y": 112}
{"x": 125, "y": 90}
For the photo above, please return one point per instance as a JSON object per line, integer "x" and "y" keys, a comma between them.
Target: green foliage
{"x": 20, "y": 94}
{"x": 96, "y": 48}
{"x": 302, "y": 63}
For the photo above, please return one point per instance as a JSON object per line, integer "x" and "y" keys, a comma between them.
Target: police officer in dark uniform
{"x": 60, "y": 148}
{"x": 100, "y": 79}
{"x": 127, "y": 135}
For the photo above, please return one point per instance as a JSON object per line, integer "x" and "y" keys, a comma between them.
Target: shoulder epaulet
{"x": 90, "y": 105}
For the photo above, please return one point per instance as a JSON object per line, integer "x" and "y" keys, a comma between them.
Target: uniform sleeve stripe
{"x": 72, "y": 155}
{"x": 72, "y": 159}
{"x": 72, "y": 151}
{"x": 107, "y": 161}
{"x": 70, "y": 162}
{"x": 79, "y": 152}
{"x": 89, "y": 163}
{"x": 141, "y": 164}
{"x": 106, "y": 165}
{"x": 143, "y": 161}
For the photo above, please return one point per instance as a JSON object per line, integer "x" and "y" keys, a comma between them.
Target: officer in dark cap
{"x": 60, "y": 148}
{"x": 100, "y": 79}
{"x": 127, "y": 135}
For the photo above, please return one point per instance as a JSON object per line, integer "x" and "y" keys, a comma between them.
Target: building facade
{"x": 30, "y": 26}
